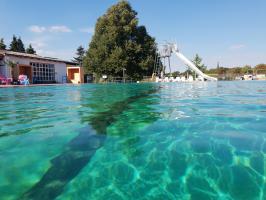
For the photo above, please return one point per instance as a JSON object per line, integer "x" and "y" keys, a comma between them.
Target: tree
{"x": 30, "y": 50}
{"x": 17, "y": 45}
{"x": 187, "y": 72}
{"x": 14, "y": 44}
{"x": 2, "y": 44}
{"x": 260, "y": 68}
{"x": 119, "y": 43}
{"x": 20, "y": 46}
{"x": 247, "y": 69}
{"x": 222, "y": 70}
{"x": 80, "y": 55}
{"x": 197, "y": 61}
{"x": 175, "y": 73}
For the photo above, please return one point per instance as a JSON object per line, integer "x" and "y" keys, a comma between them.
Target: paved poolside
{"x": 34, "y": 85}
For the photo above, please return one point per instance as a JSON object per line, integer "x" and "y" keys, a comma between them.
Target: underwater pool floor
{"x": 134, "y": 141}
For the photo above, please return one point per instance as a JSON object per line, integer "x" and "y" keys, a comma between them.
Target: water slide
{"x": 190, "y": 64}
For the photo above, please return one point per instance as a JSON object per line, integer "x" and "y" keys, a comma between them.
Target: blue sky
{"x": 232, "y": 32}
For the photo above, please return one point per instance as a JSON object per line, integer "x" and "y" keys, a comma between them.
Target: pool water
{"x": 134, "y": 141}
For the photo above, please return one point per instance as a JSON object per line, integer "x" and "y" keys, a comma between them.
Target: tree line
{"x": 17, "y": 45}
{"x": 230, "y": 73}
{"x": 227, "y": 73}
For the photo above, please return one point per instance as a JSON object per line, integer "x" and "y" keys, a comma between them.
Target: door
{"x": 26, "y": 70}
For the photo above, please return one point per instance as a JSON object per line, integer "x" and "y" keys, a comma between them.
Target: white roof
{"x": 34, "y": 56}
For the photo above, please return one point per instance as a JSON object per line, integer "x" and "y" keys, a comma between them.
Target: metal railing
{"x": 119, "y": 80}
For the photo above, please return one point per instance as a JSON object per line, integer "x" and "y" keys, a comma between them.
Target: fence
{"x": 119, "y": 80}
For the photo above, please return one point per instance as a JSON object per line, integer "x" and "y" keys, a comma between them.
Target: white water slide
{"x": 173, "y": 48}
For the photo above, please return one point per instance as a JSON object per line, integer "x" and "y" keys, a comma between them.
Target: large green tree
{"x": 120, "y": 43}
{"x": 2, "y": 44}
{"x": 30, "y": 50}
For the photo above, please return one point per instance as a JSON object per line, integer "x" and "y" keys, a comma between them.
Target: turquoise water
{"x": 137, "y": 141}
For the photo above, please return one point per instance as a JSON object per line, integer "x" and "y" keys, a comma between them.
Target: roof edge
{"x": 35, "y": 56}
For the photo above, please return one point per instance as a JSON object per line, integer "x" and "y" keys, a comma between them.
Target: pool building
{"x": 39, "y": 69}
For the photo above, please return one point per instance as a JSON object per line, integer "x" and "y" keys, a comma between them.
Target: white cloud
{"x": 237, "y": 46}
{"x": 37, "y": 29}
{"x": 89, "y": 30}
{"x": 39, "y": 43}
{"x": 52, "y": 29}
{"x": 48, "y": 45}
{"x": 57, "y": 29}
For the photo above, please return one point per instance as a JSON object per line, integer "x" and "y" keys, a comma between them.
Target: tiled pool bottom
{"x": 143, "y": 141}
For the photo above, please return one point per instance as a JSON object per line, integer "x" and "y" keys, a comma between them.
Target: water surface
{"x": 134, "y": 141}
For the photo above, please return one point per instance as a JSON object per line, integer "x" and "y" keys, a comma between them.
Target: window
{"x": 43, "y": 72}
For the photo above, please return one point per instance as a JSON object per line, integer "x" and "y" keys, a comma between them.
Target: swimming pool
{"x": 134, "y": 141}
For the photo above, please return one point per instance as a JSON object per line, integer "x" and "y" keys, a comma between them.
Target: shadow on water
{"x": 80, "y": 150}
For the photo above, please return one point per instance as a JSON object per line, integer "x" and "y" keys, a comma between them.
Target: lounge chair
{"x": 23, "y": 80}
{"x": 171, "y": 79}
{"x": 166, "y": 79}
{"x": 190, "y": 79}
{"x": 183, "y": 79}
{"x": 4, "y": 80}
{"x": 157, "y": 79}
{"x": 177, "y": 79}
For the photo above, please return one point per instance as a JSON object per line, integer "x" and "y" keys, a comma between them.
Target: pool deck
{"x": 36, "y": 85}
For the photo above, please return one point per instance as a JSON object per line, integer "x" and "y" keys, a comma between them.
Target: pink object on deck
{"x": 4, "y": 80}
{"x": 22, "y": 77}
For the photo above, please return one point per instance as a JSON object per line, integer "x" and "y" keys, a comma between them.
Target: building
{"x": 75, "y": 74}
{"x": 38, "y": 69}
